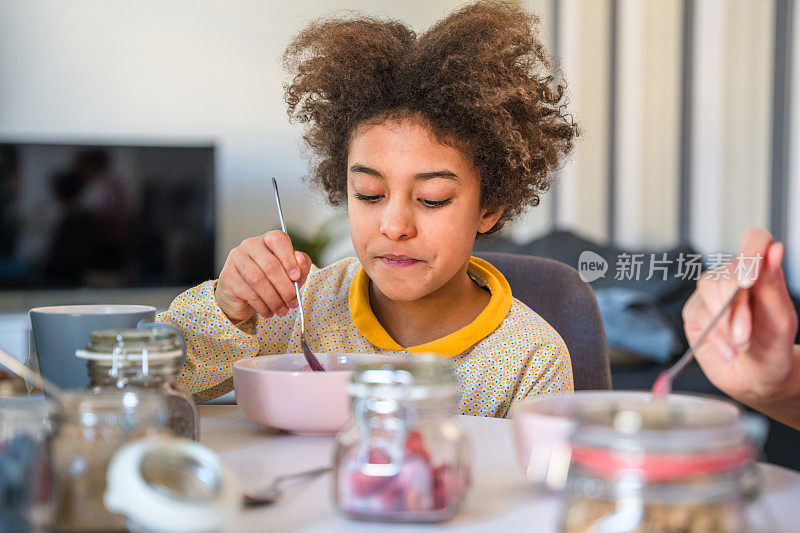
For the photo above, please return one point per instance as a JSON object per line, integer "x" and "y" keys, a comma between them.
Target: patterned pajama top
{"x": 505, "y": 355}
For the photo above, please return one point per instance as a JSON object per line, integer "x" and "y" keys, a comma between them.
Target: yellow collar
{"x": 453, "y": 344}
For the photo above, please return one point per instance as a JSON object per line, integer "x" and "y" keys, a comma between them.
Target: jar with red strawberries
{"x": 404, "y": 456}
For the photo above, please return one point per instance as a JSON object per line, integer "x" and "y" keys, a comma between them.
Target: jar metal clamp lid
{"x": 171, "y": 485}
{"x": 124, "y": 348}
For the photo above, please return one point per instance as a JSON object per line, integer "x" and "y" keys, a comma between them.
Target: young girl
{"x": 430, "y": 141}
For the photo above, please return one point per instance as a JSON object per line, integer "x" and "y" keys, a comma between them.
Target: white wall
{"x": 177, "y": 71}
{"x": 210, "y": 71}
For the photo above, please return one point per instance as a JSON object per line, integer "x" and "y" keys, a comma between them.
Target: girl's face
{"x": 414, "y": 207}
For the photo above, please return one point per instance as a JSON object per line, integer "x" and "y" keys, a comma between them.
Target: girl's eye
{"x": 371, "y": 199}
{"x": 366, "y": 198}
{"x": 434, "y": 203}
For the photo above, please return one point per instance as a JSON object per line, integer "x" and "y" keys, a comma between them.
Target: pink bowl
{"x": 272, "y": 390}
{"x": 542, "y": 425}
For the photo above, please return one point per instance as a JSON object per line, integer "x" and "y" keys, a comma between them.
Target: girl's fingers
{"x": 280, "y": 245}
{"x": 246, "y": 293}
{"x": 304, "y": 262}
{"x": 256, "y": 279}
{"x": 261, "y": 272}
{"x": 272, "y": 273}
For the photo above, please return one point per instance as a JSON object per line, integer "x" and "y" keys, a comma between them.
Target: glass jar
{"x": 682, "y": 464}
{"x": 150, "y": 359}
{"x": 90, "y": 427}
{"x": 404, "y": 456}
{"x": 24, "y": 469}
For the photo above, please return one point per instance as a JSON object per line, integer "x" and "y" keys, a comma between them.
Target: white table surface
{"x": 499, "y": 499}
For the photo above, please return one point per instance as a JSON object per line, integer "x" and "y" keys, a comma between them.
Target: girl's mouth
{"x": 398, "y": 261}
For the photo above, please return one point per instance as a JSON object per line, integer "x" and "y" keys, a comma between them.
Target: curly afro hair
{"x": 480, "y": 78}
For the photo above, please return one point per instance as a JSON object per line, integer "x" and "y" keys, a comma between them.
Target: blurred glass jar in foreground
{"x": 169, "y": 485}
{"x": 664, "y": 466}
{"x": 144, "y": 359}
{"x": 404, "y": 456}
{"x": 90, "y": 427}
{"x": 24, "y": 469}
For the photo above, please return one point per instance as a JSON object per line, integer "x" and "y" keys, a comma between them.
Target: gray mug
{"x": 60, "y": 330}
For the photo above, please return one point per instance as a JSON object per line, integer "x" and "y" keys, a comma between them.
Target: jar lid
{"x": 662, "y": 440}
{"x": 417, "y": 377}
{"x": 662, "y": 467}
{"x": 129, "y": 344}
{"x": 167, "y": 484}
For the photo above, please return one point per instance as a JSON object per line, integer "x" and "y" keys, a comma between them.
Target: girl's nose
{"x": 397, "y": 221}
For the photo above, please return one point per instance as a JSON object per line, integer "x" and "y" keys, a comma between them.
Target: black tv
{"x": 105, "y": 216}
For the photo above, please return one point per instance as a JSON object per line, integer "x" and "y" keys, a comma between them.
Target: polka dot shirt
{"x": 506, "y": 354}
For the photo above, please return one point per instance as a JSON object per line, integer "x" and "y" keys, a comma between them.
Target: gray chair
{"x": 556, "y": 292}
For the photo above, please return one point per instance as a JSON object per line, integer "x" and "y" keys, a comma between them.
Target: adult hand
{"x": 259, "y": 276}
{"x": 750, "y": 354}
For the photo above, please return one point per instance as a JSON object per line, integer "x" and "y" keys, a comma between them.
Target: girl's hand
{"x": 258, "y": 277}
{"x": 750, "y": 355}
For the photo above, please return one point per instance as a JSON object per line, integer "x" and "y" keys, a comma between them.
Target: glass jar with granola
{"x": 90, "y": 428}
{"x": 681, "y": 464}
{"x": 148, "y": 358}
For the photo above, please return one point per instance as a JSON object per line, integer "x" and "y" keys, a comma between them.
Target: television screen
{"x": 104, "y": 216}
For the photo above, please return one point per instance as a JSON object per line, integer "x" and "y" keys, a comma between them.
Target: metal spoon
{"x": 663, "y": 384}
{"x": 273, "y": 492}
{"x": 312, "y": 360}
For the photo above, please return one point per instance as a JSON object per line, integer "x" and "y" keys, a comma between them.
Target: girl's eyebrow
{"x": 446, "y": 174}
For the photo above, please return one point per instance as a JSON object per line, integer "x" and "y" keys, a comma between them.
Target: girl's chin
{"x": 397, "y": 288}
{"x": 399, "y": 293}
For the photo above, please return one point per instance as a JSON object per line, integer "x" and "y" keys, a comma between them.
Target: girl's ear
{"x": 489, "y": 218}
